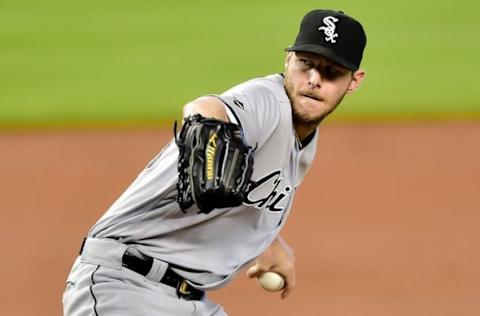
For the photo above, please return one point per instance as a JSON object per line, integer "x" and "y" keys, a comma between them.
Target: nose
{"x": 315, "y": 79}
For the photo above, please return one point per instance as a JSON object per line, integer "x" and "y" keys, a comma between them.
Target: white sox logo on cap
{"x": 329, "y": 29}
{"x": 332, "y": 34}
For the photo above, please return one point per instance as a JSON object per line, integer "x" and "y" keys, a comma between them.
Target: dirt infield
{"x": 386, "y": 223}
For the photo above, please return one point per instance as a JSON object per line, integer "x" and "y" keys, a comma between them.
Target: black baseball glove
{"x": 214, "y": 164}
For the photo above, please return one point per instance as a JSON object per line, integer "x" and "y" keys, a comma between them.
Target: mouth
{"x": 310, "y": 96}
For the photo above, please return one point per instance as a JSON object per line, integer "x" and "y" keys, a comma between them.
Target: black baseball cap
{"x": 332, "y": 34}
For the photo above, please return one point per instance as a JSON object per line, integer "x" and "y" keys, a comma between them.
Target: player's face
{"x": 316, "y": 85}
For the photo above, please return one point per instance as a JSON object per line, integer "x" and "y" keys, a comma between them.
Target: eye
{"x": 306, "y": 63}
{"x": 332, "y": 72}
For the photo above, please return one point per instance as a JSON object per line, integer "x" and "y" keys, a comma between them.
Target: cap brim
{"x": 324, "y": 51}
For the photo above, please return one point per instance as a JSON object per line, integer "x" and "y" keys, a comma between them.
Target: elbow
{"x": 207, "y": 106}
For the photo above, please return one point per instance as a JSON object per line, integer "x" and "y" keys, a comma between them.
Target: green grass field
{"x": 137, "y": 62}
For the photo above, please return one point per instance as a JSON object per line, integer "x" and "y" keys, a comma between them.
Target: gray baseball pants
{"x": 98, "y": 285}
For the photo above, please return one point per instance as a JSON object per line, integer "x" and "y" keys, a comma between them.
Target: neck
{"x": 303, "y": 131}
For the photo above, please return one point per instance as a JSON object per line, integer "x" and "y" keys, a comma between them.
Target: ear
{"x": 288, "y": 58}
{"x": 357, "y": 79}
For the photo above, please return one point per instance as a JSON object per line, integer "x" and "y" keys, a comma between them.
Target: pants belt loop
{"x": 106, "y": 252}
{"x": 157, "y": 271}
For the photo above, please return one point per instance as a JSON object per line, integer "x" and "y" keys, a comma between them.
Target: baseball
{"x": 271, "y": 281}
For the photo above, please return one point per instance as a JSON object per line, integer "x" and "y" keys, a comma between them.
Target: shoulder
{"x": 260, "y": 106}
{"x": 264, "y": 96}
{"x": 269, "y": 87}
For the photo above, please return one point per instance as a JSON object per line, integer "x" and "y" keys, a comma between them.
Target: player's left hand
{"x": 277, "y": 258}
{"x": 214, "y": 164}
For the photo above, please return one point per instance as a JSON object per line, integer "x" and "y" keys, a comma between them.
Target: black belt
{"x": 142, "y": 265}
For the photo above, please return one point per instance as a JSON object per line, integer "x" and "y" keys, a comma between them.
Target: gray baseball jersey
{"x": 218, "y": 244}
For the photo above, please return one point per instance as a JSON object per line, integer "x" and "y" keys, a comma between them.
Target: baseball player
{"x": 215, "y": 199}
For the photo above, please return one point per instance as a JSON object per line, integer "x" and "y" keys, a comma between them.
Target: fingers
{"x": 258, "y": 268}
{"x": 254, "y": 271}
{"x": 289, "y": 286}
{"x": 285, "y": 293}
{"x": 290, "y": 281}
{"x": 288, "y": 273}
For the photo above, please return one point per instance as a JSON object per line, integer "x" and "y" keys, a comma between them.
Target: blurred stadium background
{"x": 397, "y": 229}
{"x": 133, "y": 63}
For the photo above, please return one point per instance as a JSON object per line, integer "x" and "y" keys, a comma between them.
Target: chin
{"x": 309, "y": 120}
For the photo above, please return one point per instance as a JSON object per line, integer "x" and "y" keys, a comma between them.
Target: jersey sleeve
{"x": 255, "y": 109}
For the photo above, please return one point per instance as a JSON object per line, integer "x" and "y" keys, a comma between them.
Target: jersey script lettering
{"x": 273, "y": 199}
